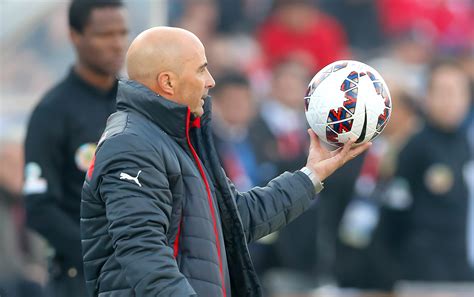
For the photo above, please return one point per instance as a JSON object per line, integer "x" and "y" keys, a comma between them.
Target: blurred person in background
{"x": 63, "y": 131}
{"x": 279, "y": 137}
{"x": 234, "y": 110}
{"x": 240, "y": 53}
{"x": 233, "y": 16}
{"x": 448, "y": 24}
{"x": 296, "y": 29}
{"x": 429, "y": 240}
{"x": 331, "y": 207}
{"x": 238, "y": 138}
{"x": 280, "y": 126}
{"x": 405, "y": 121}
{"x": 220, "y": 25}
{"x": 360, "y": 20}
{"x": 20, "y": 276}
{"x": 406, "y": 58}
{"x": 416, "y": 31}
{"x": 361, "y": 250}
{"x": 230, "y": 48}
{"x": 240, "y": 15}
{"x": 198, "y": 16}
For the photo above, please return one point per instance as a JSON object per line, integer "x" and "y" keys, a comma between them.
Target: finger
{"x": 347, "y": 147}
{"x": 346, "y": 153}
{"x": 354, "y": 152}
{"x": 336, "y": 151}
{"x": 344, "y": 148}
{"x": 314, "y": 140}
{"x": 316, "y": 143}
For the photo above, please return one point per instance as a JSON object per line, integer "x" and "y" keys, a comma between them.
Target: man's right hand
{"x": 324, "y": 162}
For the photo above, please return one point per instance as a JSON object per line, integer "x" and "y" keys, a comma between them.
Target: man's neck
{"x": 100, "y": 81}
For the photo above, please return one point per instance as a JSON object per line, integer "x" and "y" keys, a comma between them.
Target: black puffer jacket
{"x": 156, "y": 203}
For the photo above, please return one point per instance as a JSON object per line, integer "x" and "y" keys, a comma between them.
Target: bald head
{"x": 172, "y": 63}
{"x": 160, "y": 49}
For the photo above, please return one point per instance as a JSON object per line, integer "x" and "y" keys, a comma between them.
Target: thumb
{"x": 314, "y": 140}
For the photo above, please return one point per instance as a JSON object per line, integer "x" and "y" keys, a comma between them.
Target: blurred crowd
{"x": 402, "y": 212}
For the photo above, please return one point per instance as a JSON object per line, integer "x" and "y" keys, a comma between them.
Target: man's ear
{"x": 167, "y": 83}
{"x": 75, "y": 37}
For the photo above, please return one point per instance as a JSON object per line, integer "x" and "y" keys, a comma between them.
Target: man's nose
{"x": 119, "y": 42}
{"x": 211, "y": 82}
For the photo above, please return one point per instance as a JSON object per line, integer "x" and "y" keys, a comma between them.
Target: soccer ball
{"x": 347, "y": 99}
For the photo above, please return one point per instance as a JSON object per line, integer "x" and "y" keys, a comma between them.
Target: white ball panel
{"x": 326, "y": 95}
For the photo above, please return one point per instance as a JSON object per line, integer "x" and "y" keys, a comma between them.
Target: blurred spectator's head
{"x": 199, "y": 17}
{"x": 448, "y": 94}
{"x": 99, "y": 31}
{"x": 234, "y": 53}
{"x": 233, "y": 100}
{"x": 222, "y": 54}
{"x": 403, "y": 117}
{"x": 295, "y": 14}
{"x": 289, "y": 83}
{"x": 413, "y": 47}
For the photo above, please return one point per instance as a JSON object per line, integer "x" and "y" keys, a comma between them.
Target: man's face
{"x": 289, "y": 82}
{"x": 102, "y": 44}
{"x": 448, "y": 97}
{"x": 235, "y": 105}
{"x": 194, "y": 81}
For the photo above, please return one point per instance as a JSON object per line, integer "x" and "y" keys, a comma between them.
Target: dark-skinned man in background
{"x": 63, "y": 132}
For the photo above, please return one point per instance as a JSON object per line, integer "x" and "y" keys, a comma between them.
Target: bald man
{"x": 159, "y": 216}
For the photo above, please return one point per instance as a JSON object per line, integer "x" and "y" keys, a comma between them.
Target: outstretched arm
{"x": 266, "y": 210}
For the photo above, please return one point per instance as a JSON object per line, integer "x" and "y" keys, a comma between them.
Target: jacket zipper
{"x": 209, "y": 199}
